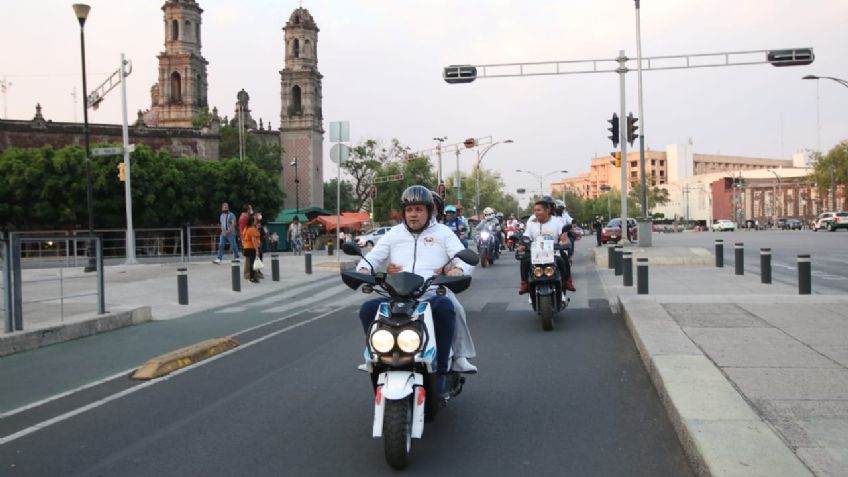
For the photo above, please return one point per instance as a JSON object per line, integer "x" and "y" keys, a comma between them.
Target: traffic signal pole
{"x": 622, "y": 131}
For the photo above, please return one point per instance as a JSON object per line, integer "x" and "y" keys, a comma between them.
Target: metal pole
{"x": 622, "y": 70}
{"x": 641, "y": 117}
{"x": 17, "y": 284}
{"x": 101, "y": 272}
{"x": 627, "y": 267}
{"x": 765, "y": 265}
{"x": 619, "y": 250}
{"x": 307, "y": 260}
{"x": 477, "y": 202}
{"x": 130, "y": 241}
{"x": 339, "y": 196}
{"x": 439, "y": 161}
{"x": 182, "y": 286}
{"x": 458, "y": 181}
{"x": 91, "y": 266}
{"x": 719, "y": 253}
{"x": 275, "y": 267}
{"x": 804, "y": 275}
{"x": 739, "y": 251}
{"x": 235, "y": 273}
{"x": 642, "y": 276}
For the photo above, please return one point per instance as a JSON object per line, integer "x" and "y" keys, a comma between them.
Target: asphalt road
{"x": 827, "y": 250}
{"x": 289, "y": 401}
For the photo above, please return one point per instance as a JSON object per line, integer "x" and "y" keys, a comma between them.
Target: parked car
{"x": 792, "y": 224}
{"x": 840, "y": 221}
{"x": 612, "y": 231}
{"x": 724, "y": 225}
{"x": 823, "y": 220}
{"x": 372, "y": 237}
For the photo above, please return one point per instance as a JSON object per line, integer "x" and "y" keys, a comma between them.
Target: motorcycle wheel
{"x": 546, "y": 308}
{"x": 484, "y": 259}
{"x": 397, "y": 432}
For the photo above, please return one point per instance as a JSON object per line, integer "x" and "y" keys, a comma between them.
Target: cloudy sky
{"x": 382, "y": 60}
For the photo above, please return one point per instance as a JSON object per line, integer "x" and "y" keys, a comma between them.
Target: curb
{"x": 30, "y": 340}
{"x": 170, "y": 362}
{"x": 719, "y": 431}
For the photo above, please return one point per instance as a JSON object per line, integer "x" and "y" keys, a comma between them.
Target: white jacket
{"x": 421, "y": 253}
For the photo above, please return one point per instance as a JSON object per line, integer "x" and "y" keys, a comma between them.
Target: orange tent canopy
{"x": 348, "y": 220}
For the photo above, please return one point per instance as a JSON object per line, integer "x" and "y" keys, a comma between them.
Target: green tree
{"x": 367, "y": 160}
{"x": 830, "y": 171}
{"x": 417, "y": 171}
{"x": 264, "y": 154}
{"x": 348, "y": 202}
{"x": 656, "y": 196}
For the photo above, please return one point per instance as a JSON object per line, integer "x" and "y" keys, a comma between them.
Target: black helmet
{"x": 438, "y": 203}
{"x": 546, "y": 200}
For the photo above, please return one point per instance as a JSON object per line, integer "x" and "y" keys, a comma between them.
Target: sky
{"x": 382, "y": 62}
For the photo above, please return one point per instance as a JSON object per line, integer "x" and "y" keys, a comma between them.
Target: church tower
{"x": 301, "y": 131}
{"x": 180, "y": 94}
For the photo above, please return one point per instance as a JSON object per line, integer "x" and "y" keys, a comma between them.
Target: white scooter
{"x": 401, "y": 353}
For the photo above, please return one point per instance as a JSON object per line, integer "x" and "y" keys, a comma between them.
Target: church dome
{"x": 301, "y": 18}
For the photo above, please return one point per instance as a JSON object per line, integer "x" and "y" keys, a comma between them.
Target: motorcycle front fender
{"x": 393, "y": 385}
{"x": 544, "y": 289}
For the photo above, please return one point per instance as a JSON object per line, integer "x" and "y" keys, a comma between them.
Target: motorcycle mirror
{"x": 468, "y": 256}
{"x": 351, "y": 248}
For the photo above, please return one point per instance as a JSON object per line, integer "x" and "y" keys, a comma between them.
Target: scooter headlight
{"x": 549, "y": 271}
{"x": 484, "y": 235}
{"x": 382, "y": 341}
{"x": 538, "y": 272}
{"x": 408, "y": 341}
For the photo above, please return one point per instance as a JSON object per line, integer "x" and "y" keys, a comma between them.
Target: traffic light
{"x": 614, "y": 130}
{"x": 616, "y": 158}
{"x": 631, "y": 128}
{"x": 373, "y": 191}
{"x": 455, "y": 74}
{"x": 122, "y": 172}
{"x": 794, "y": 57}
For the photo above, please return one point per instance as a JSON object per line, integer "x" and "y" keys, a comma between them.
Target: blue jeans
{"x": 444, "y": 320}
{"x": 231, "y": 238}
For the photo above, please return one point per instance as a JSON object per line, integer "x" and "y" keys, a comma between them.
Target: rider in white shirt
{"x": 543, "y": 223}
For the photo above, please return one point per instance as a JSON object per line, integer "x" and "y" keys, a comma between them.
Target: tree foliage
{"x": 265, "y": 155}
{"x": 346, "y": 199}
{"x": 366, "y": 161}
{"x": 45, "y": 188}
{"x": 656, "y": 196}
{"x": 831, "y": 169}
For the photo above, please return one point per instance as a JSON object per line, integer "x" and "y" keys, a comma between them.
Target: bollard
{"x": 275, "y": 267}
{"x": 182, "y": 286}
{"x": 307, "y": 259}
{"x": 236, "y": 273}
{"x": 611, "y": 256}
{"x": 330, "y": 248}
{"x": 619, "y": 250}
{"x": 627, "y": 268}
{"x": 642, "y": 276}
{"x": 739, "y": 251}
{"x": 765, "y": 265}
{"x": 719, "y": 253}
{"x": 805, "y": 284}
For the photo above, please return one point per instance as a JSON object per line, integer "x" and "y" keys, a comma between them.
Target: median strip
{"x": 170, "y": 362}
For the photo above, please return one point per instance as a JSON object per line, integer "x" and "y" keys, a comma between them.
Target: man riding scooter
{"x": 544, "y": 222}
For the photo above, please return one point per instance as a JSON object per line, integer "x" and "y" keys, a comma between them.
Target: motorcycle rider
{"x": 545, "y": 223}
{"x": 456, "y": 223}
{"x": 420, "y": 245}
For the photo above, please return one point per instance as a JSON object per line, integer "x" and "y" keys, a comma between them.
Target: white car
{"x": 372, "y": 237}
{"x": 723, "y": 225}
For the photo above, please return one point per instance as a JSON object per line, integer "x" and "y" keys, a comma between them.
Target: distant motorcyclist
{"x": 456, "y": 223}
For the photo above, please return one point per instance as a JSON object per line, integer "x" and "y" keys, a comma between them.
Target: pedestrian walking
{"x": 342, "y": 238}
{"x": 295, "y": 236}
{"x": 250, "y": 240}
{"x": 228, "y": 233}
{"x": 597, "y": 226}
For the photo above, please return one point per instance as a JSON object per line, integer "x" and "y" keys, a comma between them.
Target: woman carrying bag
{"x": 251, "y": 242}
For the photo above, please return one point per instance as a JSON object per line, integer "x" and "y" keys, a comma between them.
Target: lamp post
{"x": 81, "y": 11}
{"x": 480, "y": 156}
{"x": 774, "y": 191}
{"x": 818, "y": 131}
{"x": 439, "y": 157}
{"x": 296, "y": 187}
{"x": 541, "y": 178}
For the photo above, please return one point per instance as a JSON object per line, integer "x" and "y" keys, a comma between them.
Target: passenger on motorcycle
{"x": 420, "y": 245}
{"x": 545, "y": 223}
{"x": 566, "y": 220}
{"x": 456, "y": 224}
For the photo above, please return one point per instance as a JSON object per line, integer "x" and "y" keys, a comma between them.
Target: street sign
{"x": 339, "y": 153}
{"x": 340, "y": 131}
{"x": 107, "y": 151}
{"x": 521, "y": 191}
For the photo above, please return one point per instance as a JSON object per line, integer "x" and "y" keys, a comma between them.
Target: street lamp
{"x": 774, "y": 202}
{"x": 439, "y": 156}
{"x": 541, "y": 178}
{"x": 81, "y": 11}
{"x": 818, "y": 130}
{"x": 296, "y": 187}
{"x": 480, "y": 158}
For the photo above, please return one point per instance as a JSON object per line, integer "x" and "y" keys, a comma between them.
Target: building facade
{"x": 301, "y": 116}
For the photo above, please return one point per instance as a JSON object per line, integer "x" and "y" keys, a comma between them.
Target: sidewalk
{"x": 754, "y": 376}
{"x": 60, "y": 305}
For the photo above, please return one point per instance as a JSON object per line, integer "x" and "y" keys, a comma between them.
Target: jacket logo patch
{"x": 429, "y": 241}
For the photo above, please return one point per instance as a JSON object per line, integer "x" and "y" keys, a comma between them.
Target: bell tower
{"x": 301, "y": 131}
{"x": 180, "y": 93}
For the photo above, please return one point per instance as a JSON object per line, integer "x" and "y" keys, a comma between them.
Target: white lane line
{"x": 127, "y": 392}
{"x": 66, "y": 393}
{"x": 315, "y": 297}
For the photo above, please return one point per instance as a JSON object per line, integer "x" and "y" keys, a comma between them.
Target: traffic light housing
{"x": 616, "y": 158}
{"x": 631, "y": 128}
{"x": 122, "y": 172}
{"x": 613, "y": 130}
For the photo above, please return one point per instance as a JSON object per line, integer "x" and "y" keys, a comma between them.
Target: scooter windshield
{"x": 404, "y": 283}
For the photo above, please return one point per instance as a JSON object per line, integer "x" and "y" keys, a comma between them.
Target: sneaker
{"x": 569, "y": 285}
{"x": 259, "y": 275}
{"x": 523, "y": 288}
{"x": 217, "y": 261}
{"x": 442, "y": 387}
{"x": 253, "y": 280}
{"x": 363, "y": 367}
{"x": 462, "y": 365}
